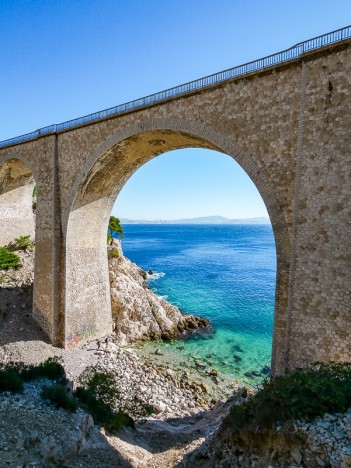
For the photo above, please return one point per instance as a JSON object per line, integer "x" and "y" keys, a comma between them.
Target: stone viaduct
{"x": 285, "y": 119}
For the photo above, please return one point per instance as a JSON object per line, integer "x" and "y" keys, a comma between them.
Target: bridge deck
{"x": 284, "y": 56}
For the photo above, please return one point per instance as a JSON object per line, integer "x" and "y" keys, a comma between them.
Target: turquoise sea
{"x": 225, "y": 273}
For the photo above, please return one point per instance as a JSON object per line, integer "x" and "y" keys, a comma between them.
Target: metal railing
{"x": 260, "y": 64}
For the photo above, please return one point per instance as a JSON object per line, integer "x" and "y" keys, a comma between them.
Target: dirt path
{"x": 166, "y": 443}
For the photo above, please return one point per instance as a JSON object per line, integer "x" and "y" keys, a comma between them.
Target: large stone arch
{"x": 87, "y": 309}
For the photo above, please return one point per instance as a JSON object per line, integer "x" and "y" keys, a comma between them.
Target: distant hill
{"x": 201, "y": 220}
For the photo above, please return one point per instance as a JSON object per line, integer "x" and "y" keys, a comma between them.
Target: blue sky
{"x": 62, "y": 59}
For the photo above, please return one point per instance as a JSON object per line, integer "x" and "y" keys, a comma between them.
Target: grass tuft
{"x": 23, "y": 242}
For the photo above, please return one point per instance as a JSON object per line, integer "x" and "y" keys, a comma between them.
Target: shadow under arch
{"x": 17, "y": 181}
{"x": 87, "y": 298}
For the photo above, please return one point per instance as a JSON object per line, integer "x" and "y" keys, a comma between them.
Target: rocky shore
{"x": 33, "y": 433}
{"x": 184, "y": 427}
{"x": 160, "y": 388}
{"x": 138, "y": 313}
{"x": 32, "y": 429}
{"x": 181, "y": 432}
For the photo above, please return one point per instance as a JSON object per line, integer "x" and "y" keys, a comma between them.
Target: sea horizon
{"x": 201, "y": 220}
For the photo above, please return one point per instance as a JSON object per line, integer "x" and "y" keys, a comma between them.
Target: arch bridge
{"x": 286, "y": 119}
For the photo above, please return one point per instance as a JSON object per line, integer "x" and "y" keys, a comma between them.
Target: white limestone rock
{"x": 137, "y": 312}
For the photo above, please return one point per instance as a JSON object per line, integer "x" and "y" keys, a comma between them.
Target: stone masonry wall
{"x": 320, "y": 303}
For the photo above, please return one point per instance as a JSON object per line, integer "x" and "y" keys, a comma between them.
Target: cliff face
{"x": 137, "y": 312}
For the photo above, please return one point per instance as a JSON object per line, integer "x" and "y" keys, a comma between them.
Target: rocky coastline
{"x": 138, "y": 313}
{"x": 184, "y": 429}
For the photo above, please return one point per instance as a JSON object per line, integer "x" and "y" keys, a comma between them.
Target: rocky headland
{"x": 138, "y": 313}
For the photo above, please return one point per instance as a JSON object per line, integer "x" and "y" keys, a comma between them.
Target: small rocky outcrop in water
{"x": 139, "y": 313}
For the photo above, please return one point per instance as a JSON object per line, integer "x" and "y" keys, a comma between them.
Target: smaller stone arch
{"x": 17, "y": 182}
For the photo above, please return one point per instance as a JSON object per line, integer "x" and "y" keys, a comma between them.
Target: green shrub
{"x": 115, "y": 229}
{"x": 118, "y": 420}
{"x": 101, "y": 384}
{"x": 58, "y": 395}
{"x": 2, "y": 279}
{"x": 303, "y": 393}
{"x": 51, "y": 369}
{"x": 13, "y": 374}
{"x": 10, "y": 381}
{"x": 101, "y": 411}
{"x": 101, "y": 397}
{"x": 8, "y": 259}
{"x": 23, "y": 242}
{"x": 34, "y": 201}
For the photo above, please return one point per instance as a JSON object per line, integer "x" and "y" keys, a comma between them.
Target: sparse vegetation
{"x": 34, "y": 197}
{"x": 20, "y": 243}
{"x": 102, "y": 412}
{"x": 100, "y": 396}
{"x": 10, "y": 381}
{"x": 59, "y": 396}
{"x": 113, "y": 254}
{"x": 14, "y": 374}
{"x": 98, "y": 393}
{"x": 8, "y": 259}
{"x": 51, "y": 369}
{"x": 23, "y": 242}
{"x": 304, "y": 393}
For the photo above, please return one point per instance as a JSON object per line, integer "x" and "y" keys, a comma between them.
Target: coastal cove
{"x": 225, "y": 273}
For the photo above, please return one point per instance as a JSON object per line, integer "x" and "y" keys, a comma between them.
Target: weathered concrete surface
{"x": 288, "y": 128}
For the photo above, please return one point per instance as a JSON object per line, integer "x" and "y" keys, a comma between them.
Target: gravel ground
{"x": 34, "y": 433}
{"x": 180, "y": 432}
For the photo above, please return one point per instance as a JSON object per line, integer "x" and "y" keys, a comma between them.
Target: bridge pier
{"x": 87, "y": 285}
{"x": 48, "y": 309}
